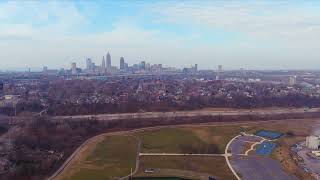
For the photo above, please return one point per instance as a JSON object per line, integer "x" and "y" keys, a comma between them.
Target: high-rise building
{"x": 196, "y": 67}
{"x": 292, "y": 80}
{"x": 103, "y": 65}
{"x": 108, "y": 58}
{"x": 89, "y": 63}
{"x": 148, "y": 66}
{"x": 74, "y": 68}
{"x": 143, "y": 65}
{"x": 122, "y": 63}
{"x": 45, "y": 69}
{"x": 219, "y": 72}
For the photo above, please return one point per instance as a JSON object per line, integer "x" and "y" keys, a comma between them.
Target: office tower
{"x": 103, "y": 64}
{"x": 122, "y": 63}
{"x": 292, "y": 80}
{"x": 108, "y": 58}
{"x": 126, "y": 66}
{"x": 45, "y": 69}
{"x": 196, "y": 67}
{"x": 219, "y": 72}
{"x": 89, "y": 63}
{"x": 143, "y": 65}
{"x": 74, "y": 68}
{"x": 135, "y": 67}
{"x": 148, "y": 66}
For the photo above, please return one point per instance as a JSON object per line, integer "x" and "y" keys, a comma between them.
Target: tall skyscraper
{"x": 196, "y": 67}
{"x": 89, "y": 63}
{"x": 219, "y": 72}
{"x": 103, "y": 65}
{"x": 143, "y": 65}
{"x": 292, "y": 80}
{"x": 148, "y": 66}
{"x": 122, "y": 63}
{"x": 108, "y": 57}
{"x": 45, "y": 69}
{"x": 74, "y": 68}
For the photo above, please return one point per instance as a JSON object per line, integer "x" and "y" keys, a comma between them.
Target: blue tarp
{"x": 269, "y": 134}
{"x": 265, "y": 148}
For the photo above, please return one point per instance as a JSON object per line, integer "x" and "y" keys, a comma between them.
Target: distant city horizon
{"x": 214, "y": 68}
{"x": 247, "y": 34}
{"x": 116, "y": 63}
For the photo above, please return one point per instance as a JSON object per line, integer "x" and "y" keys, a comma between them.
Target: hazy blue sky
{"x": 237, "y": 34}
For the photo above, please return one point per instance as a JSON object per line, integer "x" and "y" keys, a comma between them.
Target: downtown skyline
{"x": 246, "y": 34}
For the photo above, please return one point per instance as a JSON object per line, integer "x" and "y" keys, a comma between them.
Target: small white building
{"x": 316, "y": 153}
{"x": 313, "y": 142}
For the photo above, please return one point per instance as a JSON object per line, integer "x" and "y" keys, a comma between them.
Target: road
{"x": 194, "y": 113}
{"x": 176, "y": 154}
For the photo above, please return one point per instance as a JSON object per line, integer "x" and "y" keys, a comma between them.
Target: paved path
{"x": 177, "y": 154}
{"x": 227, "y": 158}
{"x": 137, "y": 159}
{"x": 194, "y": 113}
{"x": 252, "y": 146}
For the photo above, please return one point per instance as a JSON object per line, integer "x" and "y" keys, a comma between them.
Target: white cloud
{"x": 276, "y": 19}
{"x": 288, "y": 33}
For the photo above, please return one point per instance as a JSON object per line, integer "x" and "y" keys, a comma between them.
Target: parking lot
{"x": 253, "y": 165}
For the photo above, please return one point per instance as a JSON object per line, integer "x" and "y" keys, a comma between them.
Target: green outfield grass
{"x": 168, "y": 140}
{"x": 187, "y": 140}
{"x": 113, "y": 157}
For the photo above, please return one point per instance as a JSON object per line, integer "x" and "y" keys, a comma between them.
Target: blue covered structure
{"x": 269, "y": 134}
{"x": 265, "y": 148}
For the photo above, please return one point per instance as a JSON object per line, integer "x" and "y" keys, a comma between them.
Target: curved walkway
{"x": 227, "y": 157}
{"x": 137, "y": 159}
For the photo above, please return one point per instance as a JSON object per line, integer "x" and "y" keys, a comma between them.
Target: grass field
{"x": 187, "y": 139}
{"x": 112, "y": 157}
{"x": 186, "y": 167}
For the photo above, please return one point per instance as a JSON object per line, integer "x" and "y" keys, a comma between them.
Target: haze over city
{"x": 159, "y": 90}
{"x": 237, "y": 34}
